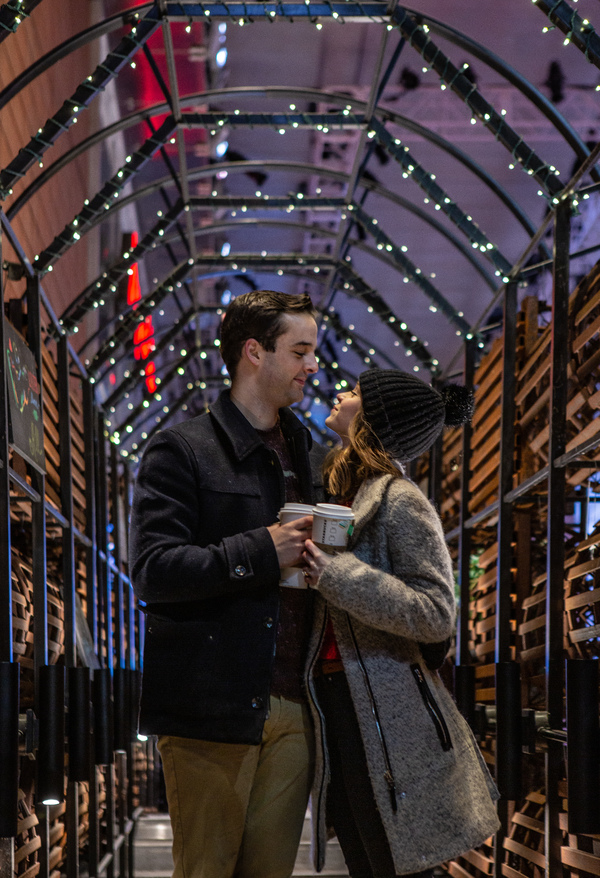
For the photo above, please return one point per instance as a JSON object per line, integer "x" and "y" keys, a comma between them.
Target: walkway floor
{"x": 152, "y": 851}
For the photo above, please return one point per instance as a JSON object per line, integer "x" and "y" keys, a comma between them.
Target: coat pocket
{"x": 433, "y": 708}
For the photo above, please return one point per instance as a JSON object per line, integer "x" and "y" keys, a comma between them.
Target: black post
{"x": 104, "y": 572}
{"x": 504, "y": 585}
{"x": 38, "y": 538}
{"x": 9, "y": 748}
{"x": 6, "y": 634}
{"x": 508, "y": 729}
{"x": 103, "y": 717}
{"x": 51, "y": 750}
{"x": 555, "y": 559}
{"x": 66, "y": 497}
{"x": 115, "y": 508}
{"x": 90, "y": 444}
{"x": 505, "y": 673}
{"x": 79, "y": 724}
{"x": 7, "y": 846}
{"x": 583, "y": 746}
{"x": 463, "y": 654}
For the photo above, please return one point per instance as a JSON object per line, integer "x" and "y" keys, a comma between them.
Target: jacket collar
{"x": 240, "y": 433}
{"x": 367, "y": 501}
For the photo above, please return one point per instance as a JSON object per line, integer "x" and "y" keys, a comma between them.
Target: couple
{"x": 259, "y": 692}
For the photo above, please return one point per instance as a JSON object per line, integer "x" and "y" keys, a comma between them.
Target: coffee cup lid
{"x": 297, "y": 507}
{"x": 333, "y": 510}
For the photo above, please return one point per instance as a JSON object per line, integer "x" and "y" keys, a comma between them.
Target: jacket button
{"x": 240, "y": 570}
{"x": 268, "y": 622}
{"x": 257, "y": 703}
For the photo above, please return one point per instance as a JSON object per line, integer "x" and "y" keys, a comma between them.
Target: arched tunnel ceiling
{"x": 393, "y": 165}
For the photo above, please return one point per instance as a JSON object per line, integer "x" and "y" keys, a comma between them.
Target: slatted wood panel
{"x": 485, "y": 445}
{"x": 452, "y": 466}
{"x": 51, "y": 442}
{"x": 524, "y": 846}
{"x": 582, "y": 599}
{"x": 27, "y": 841}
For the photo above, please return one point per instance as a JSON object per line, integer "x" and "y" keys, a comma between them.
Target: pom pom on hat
{"x": 459, "y": 403}
{"x": 406, "y": 414}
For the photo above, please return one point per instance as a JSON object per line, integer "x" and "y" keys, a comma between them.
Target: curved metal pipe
{"x": 312, "y": 94}
{"x": 83, "y": 38}
{"x": 388, "y": 194}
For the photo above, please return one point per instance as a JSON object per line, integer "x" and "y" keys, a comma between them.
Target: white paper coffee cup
{"x": 293, "y": 577}
{"x": 332, "y": 526}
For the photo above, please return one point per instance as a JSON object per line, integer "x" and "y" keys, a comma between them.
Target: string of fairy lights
{"x": 578, "y": 31}
{"x": 111, "y": 190}
{"x": 453, "y": 78}
{"x": 165, "y": 342}
{"x": 84, "y": 94}
{"x": 178, "y": 369}
{"x": 12, "y": 14}
{"x": 94, "y": 295}
{"x": 410, "y": 271}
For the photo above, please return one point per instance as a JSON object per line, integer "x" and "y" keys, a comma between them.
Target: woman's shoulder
{"x": 403, "y": 493}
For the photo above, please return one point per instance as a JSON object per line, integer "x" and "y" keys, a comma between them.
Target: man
{"x": 225, "y": 644}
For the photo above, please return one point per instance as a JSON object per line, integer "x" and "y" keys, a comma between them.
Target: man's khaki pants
{"x": 237, "y": 810}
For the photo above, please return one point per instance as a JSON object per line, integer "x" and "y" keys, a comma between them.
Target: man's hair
{"x": 259, "y": 314}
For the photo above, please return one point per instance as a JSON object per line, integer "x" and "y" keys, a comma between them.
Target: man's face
{"x": 283, "y": 372}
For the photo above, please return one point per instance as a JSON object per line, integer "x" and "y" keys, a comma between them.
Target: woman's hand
{"x": 315, "y": 562}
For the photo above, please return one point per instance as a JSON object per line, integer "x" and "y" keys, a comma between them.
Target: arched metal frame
{"x": 348, "y": 281}
{"x": 366, "y": 116}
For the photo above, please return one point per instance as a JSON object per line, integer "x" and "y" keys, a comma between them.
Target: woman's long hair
{"x": 345, "y": 469}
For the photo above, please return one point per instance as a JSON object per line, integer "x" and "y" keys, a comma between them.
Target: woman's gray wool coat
{"x": 393, "y": 588}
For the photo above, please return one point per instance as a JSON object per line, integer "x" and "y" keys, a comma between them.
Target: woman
{"x": 399, "y": 776}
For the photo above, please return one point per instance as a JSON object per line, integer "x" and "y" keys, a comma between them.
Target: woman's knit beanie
{"x": 406, "y": 414}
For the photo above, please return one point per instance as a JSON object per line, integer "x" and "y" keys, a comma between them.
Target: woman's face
{"x": 346, "y": 408}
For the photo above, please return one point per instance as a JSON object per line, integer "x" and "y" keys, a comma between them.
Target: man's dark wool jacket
{"x": 205, "y": 566}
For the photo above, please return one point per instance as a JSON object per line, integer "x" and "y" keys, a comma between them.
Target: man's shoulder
{"x": 193, "y": 427}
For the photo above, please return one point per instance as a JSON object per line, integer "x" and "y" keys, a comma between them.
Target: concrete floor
{"x": 153, "y": 840}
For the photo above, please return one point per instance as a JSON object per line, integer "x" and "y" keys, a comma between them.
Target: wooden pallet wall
{"x": 523, "y": 849}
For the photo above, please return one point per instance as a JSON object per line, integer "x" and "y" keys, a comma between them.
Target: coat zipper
{"x": 321, "y": 799}
{"x": 388, "y": 775}
{"x": 433, "y": 708}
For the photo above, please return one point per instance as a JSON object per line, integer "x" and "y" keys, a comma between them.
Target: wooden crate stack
{"x": 582, "y": 599}
{"x": 452, "y": 468}
{"x": 51, "y": 441}
{"x": 485, "y": 444}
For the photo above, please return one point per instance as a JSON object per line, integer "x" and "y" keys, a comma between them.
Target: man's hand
{"x": 289, "y": 540}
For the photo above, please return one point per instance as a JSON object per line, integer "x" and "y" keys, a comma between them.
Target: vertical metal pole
{"x": 115, "y": 508}
{"x": 435, "y": 473}
{"x": 463, "y": 654}
{"x": 505, "y": 478}
{"x": 91, "y": 560}
{"x": 505, "y": 533}
{"x": 66, "y": 498}
{"x": 104, "y": 574}
{"x": 105, "y": 602}
{"x": 40, "y": 614}
{"x": 6, "y": 635}
{"x": 556, "y": 549}
{"x": 38, "y": 537}
{"x": 124, "y": 759}
{"x": 68, "y": 546}
{"x": 7, "y": 845}
{"x": 130, "y": 613}
{"x": 464, "y": 670}
{"x": 91, "y": 574}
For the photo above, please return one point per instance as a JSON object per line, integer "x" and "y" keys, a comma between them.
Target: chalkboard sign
{"x": 26, "y": 431}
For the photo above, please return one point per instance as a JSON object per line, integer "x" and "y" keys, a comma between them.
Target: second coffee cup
{"x": 332, "y": 526}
